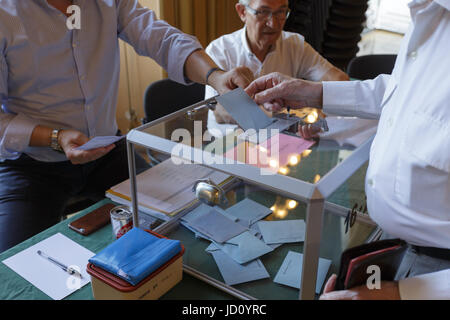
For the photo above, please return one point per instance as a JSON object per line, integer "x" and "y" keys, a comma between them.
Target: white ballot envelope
{"x": 99, "y": 142}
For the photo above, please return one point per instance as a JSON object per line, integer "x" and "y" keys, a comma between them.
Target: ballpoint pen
{"x": 67, "y": 269}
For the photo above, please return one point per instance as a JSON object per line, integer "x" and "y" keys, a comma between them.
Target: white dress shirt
{"x": 69, "y": 79}
{"x": 407, "y": 182}
{"x": 290, "y": 55}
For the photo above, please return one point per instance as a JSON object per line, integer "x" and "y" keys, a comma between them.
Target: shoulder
{"x": 226, "y": 42}
{"x": 293, "y": 39}
{"x": 225, "y": 49}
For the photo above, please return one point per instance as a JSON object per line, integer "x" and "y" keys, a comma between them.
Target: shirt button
{"x": 413, "y": 55}
{"x": 370, "y": 182}
{"x": 74, "y": 45}
{"x": 82, "y": 78}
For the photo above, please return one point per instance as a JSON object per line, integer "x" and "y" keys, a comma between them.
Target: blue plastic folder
{"x": 136, "y": 255}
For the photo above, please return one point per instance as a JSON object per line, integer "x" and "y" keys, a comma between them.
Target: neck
{"x": 260, "y": 51}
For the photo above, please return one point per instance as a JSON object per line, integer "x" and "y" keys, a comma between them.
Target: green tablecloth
{"x": 13, "y": 286}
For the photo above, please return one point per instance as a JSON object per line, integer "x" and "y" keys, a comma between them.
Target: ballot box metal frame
{"x": 313, "y": 194}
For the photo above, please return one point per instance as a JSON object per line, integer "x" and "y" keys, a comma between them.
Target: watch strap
{"x": 54, "y": 144}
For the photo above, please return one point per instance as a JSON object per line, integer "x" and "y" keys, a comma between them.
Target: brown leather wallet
{"x": 93, "y": 220}
{"x": 386, "y": 254}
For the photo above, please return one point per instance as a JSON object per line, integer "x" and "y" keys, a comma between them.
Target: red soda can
{"x": 121, "y": 220}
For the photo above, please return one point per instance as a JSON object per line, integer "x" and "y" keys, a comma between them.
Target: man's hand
{"x": 276, "y": 91}
{"x": 199, "y": 63}
{"x": 223, "y": 82}
{"x": 71, "y": 139}
{"x": 307, "y": 131}
{"x": 389, "y": 291}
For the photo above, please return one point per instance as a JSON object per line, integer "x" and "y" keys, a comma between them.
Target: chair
{"x": 370, "y": 66}
{"x": 164, "y": 97}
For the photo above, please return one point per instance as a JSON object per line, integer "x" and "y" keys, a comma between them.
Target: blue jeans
{"x": 33, "y": 194}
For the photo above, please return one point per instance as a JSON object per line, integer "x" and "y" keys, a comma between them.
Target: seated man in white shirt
{"x": 264, "y": 47}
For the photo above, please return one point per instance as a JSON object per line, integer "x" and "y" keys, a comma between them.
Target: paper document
{"x": 244, "y": 110}
{"x": 244, "y": 248}
{"x": 291, "y": 270}
{"x": 47, "y": 276}
{"x": 248, "y": 212}
{"x": 217, "y": 226}
{"x": 235, "y": 273}
{"x": 167, "y": 187}
{"x": 273, "y": 153}
{"x": 283, "y": 231}
{"x": 99, "y": 142}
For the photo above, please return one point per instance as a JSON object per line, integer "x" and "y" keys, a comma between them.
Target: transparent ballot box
{"x": 318, "y": 182}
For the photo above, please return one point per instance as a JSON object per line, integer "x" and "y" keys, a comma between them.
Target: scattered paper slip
{"x": 45, "y": 275}
{"x": 283, "y": 231}
{"x": 99, "y": 142}
{"x": 217, "y": 226}
{"x": 248, "y": 211}
{"x": 234, "y": 273}
{"x": 244, "y": 248}
{"x": 290, "y": 271}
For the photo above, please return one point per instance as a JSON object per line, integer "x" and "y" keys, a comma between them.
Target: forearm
{"x": 41, "y": 136}
{"x": 197, "y": 66}
{"x": 335, "y": 74}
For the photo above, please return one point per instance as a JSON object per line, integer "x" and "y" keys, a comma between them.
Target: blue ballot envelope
{"x": 136, "y": 255}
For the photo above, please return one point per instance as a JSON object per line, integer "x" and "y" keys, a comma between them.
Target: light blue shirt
{"x": 61, "y": 78}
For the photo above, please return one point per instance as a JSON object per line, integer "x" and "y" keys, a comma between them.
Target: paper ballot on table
{"x": 244, "y": 247}
{"x": 167, "y": 187}
{"x": 290, "y": 271}
{"x": 244, "y": 110}
{"x": 248, "y": 211}
{"x": 235, "y": 273}
{"x": 283, "y": 231}
{"x": 217, "y": 226}
{"x": 99, "y": 142}
{"x": 45, "y": 275}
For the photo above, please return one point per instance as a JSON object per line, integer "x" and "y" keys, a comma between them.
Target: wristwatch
{"x": 54, "y": 144}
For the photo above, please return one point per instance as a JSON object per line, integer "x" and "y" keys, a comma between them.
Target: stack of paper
{"x": 166, "y": 189}
{"x": 239, "y": 238}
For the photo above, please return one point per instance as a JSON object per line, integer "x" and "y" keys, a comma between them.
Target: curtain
{"x": 205, "y": 19}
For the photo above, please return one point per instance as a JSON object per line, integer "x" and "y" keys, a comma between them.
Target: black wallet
{"x": 386, "y": 254}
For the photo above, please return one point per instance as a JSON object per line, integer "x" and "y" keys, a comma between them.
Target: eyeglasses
{"x": 266, "y": 15}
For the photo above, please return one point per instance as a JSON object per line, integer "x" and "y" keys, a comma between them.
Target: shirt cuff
{"x": 431, "y": 286}
{"x": 339, "y": 98}
{"x": 18, "y": 134}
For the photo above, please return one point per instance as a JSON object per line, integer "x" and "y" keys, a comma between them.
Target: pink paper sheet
{"x": 273, "y": 153}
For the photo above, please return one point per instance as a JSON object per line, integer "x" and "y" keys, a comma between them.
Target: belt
{"x": 439, "y": 253}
